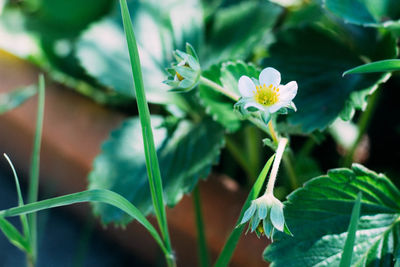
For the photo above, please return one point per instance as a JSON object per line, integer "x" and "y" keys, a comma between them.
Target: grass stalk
{"x": 204, "y": 257}
{"x": 34, "y": 171}
{"x": 153, "y": 169}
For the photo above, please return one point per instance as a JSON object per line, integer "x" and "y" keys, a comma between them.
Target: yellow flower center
{"x": 180, "y": 78}
{"x": 260, "y": 228}
{"x": 266, "y": 96}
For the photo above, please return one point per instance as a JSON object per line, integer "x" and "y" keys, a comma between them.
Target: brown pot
{"x": 74, "y": 128}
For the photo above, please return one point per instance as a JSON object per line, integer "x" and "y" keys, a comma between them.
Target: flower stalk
{"x": 275, "y": 167}
{"x": 218, "y": 88}
{"x": 272, "y": 132}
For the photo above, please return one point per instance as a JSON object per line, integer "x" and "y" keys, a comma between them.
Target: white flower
{"x": 267, "y": 94}
{"x": 264, "y": 215}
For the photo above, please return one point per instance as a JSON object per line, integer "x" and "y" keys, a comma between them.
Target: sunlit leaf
{"x": 186, "y": 153}
{"x": 160, "y": 27}
{"x": 239, "y": 28}
{"x": 319, "y": 214}
{"x": 217, "y": 105}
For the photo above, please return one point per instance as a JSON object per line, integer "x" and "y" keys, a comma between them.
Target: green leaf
{"x": 239, "y": 28}
{"x": 382, "y": 13}
{"x": 351, "y": 234}
{"x": 11, "y": 100}
{"x": 49, "y": 29}
{"x": 217, "y": 105}
{"x": 13, "y": 235}
{"x": 185, "y": 154}
{"x": 23, "y": 218}
{"x": 97, "y": 195}
{"x": 245, "y": 214}
{"x": 301, "y": 54}
{"x": 388, "y": 65}
{"x": 319, "y": 213}
{"x": 159, "y": 26}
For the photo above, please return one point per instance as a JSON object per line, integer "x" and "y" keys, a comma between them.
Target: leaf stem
{"x": 204, "y": 257}
{"x": 218, "y": 88}
{"x": 362, "y": 124}
{"x": 274, "y": 172}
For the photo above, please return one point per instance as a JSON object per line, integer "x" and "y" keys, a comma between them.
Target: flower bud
{"x": 264, "y": 215}
{"x": 184, "y": 74}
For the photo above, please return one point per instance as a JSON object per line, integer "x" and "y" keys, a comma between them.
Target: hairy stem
{"x": 218, "y": 88}
{"x": 274, "y": 172}
{"x": 272, "y": 132}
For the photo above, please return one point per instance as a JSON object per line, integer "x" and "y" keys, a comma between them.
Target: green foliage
{"x": 378, "y": 66}
{"x": 98, "y": 195}
{"x": 319, "y": 213}
{"x": 56, "y": 24}
{"x": 11, "y": 100}
{"x": 301, "y": 54}
{"x": 160, "y": 27}
{"x": 185, "y": 152}
{"x": 238, "y": 29}
{"x": 13, "y": 235}
{"x": 382, "y": 13}
{"x": 217, "y": 105}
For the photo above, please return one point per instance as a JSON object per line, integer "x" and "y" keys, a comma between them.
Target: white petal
{"x": 276, "y": 107}
{"x": 288, "y": 92}
{"x": 246, "y": 86}
{"x": 270, "y": 76}
{"x": 253, "y": 104}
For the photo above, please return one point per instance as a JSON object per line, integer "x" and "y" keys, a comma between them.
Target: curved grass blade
{"x": 231, "y": 243}
{"x": 388, "y": 65}
{"x": 96, "y": 195}
{"x": 13, "y": 235}
{"x": 24, "y": 220}
{"x": 345, "y": 261}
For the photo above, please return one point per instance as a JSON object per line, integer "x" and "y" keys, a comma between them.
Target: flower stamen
{"x": 266, "y": 96}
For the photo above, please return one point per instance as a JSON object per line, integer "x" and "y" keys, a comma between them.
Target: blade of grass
{"x": 153, "y": 168}
{"x": 13, "y": 235}
{"x": 34, "y": 169}
{"x": 23, "y": 218}
{"x": 388, "y": 65}
{"x": 204, "y": 257}
{"x": 345, "y": 261}
{"x": 96, "y": 195}
{"x": 231, "y": 243}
